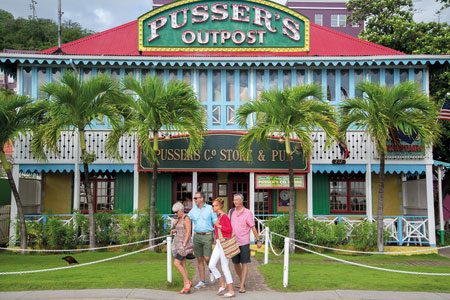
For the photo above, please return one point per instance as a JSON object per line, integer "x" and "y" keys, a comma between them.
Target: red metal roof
{"x": 122, "y": 41}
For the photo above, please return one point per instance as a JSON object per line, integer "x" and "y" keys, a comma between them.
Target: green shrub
{"x": 364, "y": 236}
{"x": 58, "y": 236}
{"x": 104, "y": 228}
{"x": 309, "y": 231}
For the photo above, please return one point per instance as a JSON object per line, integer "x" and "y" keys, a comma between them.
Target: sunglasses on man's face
{"x": 195, "y": 198}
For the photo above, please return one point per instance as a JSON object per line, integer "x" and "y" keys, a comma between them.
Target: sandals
{"x": 186, "y": 290}
{"x": 228, "y": 295}
{"x": 221, "y": 290}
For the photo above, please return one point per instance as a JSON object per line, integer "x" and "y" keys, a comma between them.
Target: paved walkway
{"x": 254, "y": 282}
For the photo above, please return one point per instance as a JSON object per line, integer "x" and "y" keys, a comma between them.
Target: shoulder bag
{"x": 229, "y": 245}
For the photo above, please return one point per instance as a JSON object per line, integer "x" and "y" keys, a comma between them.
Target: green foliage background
{"x": 36, "y": 34}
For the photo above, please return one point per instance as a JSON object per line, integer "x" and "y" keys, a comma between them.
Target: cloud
{"x": 104, "y": 18}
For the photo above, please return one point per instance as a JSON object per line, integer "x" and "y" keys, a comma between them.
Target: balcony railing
{"x": 361, "y": 149}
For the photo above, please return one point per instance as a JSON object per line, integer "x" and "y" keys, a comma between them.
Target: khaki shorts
{"x": 203, "y": 245}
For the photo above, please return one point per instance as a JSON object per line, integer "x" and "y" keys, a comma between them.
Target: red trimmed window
{"x": 347, "y": 196}
{"x": 103, "y": 191}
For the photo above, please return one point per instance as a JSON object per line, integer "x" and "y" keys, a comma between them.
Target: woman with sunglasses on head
{"x": 183, "y": 244}
{"x": 223, "y": 223}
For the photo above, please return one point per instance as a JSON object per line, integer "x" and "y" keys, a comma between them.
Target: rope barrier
{"x": 362, "y": 252}
{"x": 81, "y": 265}
{"x": 370, "y": 267}
{"x": 271, "y": 247}
{"x": 84, "y": 249}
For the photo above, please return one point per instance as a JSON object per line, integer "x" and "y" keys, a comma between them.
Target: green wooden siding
{"x": 5, "y": 192}
{"x": 163, "y": 193}
{"x": 124, "y": 192}
{"x": 321, "y": 201}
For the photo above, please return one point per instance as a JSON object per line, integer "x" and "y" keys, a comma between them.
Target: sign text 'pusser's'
{"x": 228, "y": 25}
{"x": 223, "y": 12}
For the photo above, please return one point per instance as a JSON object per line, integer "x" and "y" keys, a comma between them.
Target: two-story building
{"x": 230, "y": 51}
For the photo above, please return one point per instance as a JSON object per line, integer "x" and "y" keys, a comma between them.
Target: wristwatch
{"x": 258, "y": 240}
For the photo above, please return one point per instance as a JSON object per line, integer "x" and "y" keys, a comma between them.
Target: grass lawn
{"x": 309, "y": 272}
{"x": 145, "y": 270}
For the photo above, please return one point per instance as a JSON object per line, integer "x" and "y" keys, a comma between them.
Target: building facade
{"x": 230, "y": 51}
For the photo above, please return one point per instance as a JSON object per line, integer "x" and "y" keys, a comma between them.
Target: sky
{"x": 99, "y": 15}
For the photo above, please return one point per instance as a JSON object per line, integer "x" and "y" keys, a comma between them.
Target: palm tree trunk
{"x": 153, "y": 206}
{"x": 380, "y": 239}
{"x": 291, "y": 202}
{"x": 23, "y": 227}
{"x": 87, "y": 190}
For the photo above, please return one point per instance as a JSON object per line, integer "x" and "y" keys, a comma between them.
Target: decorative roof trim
{"x": 230, "y": 61}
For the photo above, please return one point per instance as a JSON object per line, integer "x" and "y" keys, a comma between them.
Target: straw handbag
{"x": 229, "y": 245}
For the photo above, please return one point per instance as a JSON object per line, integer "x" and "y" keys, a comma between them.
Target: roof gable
{"x": 123, "y": 41}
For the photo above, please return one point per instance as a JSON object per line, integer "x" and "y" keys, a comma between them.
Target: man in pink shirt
{"x": 242, "y": 222}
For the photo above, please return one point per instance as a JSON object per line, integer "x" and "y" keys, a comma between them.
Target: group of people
{"x": 207, "y": 221}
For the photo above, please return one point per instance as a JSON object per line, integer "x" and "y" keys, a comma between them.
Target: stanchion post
{"x": 169, "y": 259}
{"x": 286, "y": 262}
{"x": 266, "y": 246}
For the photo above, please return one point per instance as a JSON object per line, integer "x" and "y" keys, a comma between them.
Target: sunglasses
{"x": 195, "y": 198}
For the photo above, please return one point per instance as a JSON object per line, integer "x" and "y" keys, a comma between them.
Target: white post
{"x": 13, "y": 217}
{"x": 404, "y": 193}
{"x": 441, "y": 211}
{"x": 252, "y": 199}
{"x": 309, "y": 193}
{"x": 369, "y": 203}
{"x": 286, "y": 262}
{"x": 266, "y": 245}
{"x": 135, "y": 191}
{"x": 169, "y": 259}
{"x": 369, "y": 199}
{"x": 76, "y": 172}
{"x": 430, "y": 205}
{"x": 194, "y": 184}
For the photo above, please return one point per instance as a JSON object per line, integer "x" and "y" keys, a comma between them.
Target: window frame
{"x": 338, "y": 20}
{"x": 94, "y": 189}
{"x": 348, "y": 195}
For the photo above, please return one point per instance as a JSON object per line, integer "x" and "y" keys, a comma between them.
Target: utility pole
{"x": 33, "y": 8}
{"x": 59, "y": 24}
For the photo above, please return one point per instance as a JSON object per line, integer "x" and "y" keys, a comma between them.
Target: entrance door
{"x": 182, "y": 187}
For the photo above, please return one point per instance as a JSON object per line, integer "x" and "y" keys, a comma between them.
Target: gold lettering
{"x": 282, "y": 155}
{"x": 162, "y": 152}
{"x": 177, "y": 154}
{"x": 275, "y": 154}
{"x": 170, "y": 154}
{"x": 206, "y": 155}
{"x": 197, "y": 155}
{"x": 223, "y": 156}
{"x": 236, "y": 155}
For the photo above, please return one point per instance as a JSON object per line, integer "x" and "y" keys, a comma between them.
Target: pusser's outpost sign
{"x": 190, "y": 26}
{"x": 220, "y": 154}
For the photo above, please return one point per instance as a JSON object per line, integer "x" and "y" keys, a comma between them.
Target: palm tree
{"x": 293, "y": 114}
{"x": 73, "y": 104}
{"x": 382, "y": 112}
{"x": 158, "y": 106}
{"x": 16, "y": 116}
